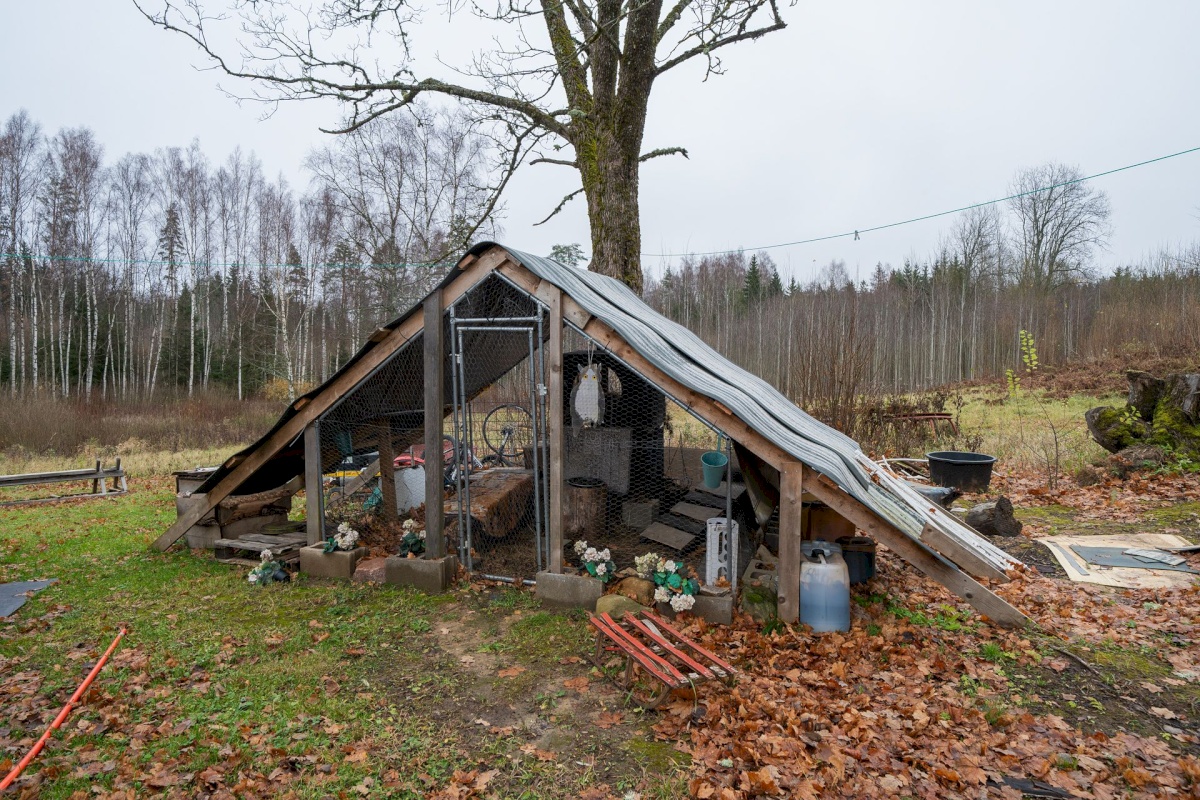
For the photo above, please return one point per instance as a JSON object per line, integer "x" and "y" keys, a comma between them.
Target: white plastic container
{"x": 825, "y": 591}
{"x": 410, "y": 488}
{"x": 719, "y": 561}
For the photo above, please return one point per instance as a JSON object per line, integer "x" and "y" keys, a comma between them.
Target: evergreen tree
{"x": 170, "y": 246}
{"x": 752, "y": 291}
{"x": 569, "y": 254}
{"x": 775, "y": 287}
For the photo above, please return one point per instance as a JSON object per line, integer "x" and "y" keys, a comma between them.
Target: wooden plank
{"x": 314, "y": 489}
{"x": 355, "y": 372}
{"x": 666, "y": 535}
{"x": 635, "y": 647}
{"x": 360, "y": 480}
{"x": 696, "y": 512}
{"x": 555, "y": 432}
{"x": 935, "y": 538}
{"x": 387, "y": 470}
{"x": 435, "y": 411}
{"x": 66, "y": 476}
{"x": 665, "y": 644}
{"x": 980, "y": 597}
{"x": 662, "y": 623}
{"x": 234, "y": 501}
{"x": 61, "y": 498}
{"x": 706, "y": 500}
{"x": 608, "y": 628}
{"x": 791, "y": 530}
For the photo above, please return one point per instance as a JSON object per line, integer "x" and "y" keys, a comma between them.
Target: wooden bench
{"x": 931, "y": 418}
{"x": 649, "y": 645}
{"x": 99, "y": 476}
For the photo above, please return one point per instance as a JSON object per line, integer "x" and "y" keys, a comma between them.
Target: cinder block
{"x": 430, "y": 575}
{"x": 203, "y": 536}
{"x": 717, "y": 610}
{"x": 639, "y": 513}
{"x": 568, "y": 591}
{"x": 339, "y": 564}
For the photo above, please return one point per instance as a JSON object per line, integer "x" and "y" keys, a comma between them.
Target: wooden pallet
{"x": 284, "y": 546}
{"x": 654, "y": 650}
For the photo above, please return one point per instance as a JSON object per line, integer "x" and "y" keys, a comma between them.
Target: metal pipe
{"x": 461, "y": 449}
{"x": 463, "y": 544}
{"x": 729, "y": 523}
{"x": 537, "y": 494}
{"x": 541, "y": 445}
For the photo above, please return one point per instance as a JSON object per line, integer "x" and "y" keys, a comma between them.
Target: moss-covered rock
{"x": 1114, "y": 429}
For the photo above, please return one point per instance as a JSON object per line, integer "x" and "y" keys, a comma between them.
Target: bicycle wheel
{"x": 507, "y": 430}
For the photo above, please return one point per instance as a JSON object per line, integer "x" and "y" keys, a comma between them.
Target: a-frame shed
{"x": 407, "y": 362}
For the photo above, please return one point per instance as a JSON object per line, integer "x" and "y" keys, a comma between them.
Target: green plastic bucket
{"x": 714, "y": 463}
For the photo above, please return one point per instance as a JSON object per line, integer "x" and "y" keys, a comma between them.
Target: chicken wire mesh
{"x": 641, "y": 473}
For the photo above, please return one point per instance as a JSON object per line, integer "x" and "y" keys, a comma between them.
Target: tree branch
{"x": 559, "y": 208}
{"x": 663, "y": 151}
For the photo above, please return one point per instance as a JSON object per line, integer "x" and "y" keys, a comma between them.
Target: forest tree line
{"x": 167, "y": 273}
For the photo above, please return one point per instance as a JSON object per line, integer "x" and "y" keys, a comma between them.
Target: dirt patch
{"x": 513, "y": 685}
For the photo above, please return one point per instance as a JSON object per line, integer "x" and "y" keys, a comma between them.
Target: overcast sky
{"x": 859, "y": 114}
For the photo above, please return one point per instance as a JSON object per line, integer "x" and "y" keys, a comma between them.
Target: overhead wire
{"x": 858, "y": 232}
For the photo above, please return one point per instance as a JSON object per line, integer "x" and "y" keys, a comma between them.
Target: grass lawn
{"x": 313, "y": 688}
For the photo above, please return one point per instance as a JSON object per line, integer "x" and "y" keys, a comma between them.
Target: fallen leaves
{"x": 579, "y": 684}
{"x": 609, "y": 719}
{"x": 511, "y": 672}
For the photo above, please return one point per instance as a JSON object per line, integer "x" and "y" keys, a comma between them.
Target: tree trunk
{"x": 608, "y": 164}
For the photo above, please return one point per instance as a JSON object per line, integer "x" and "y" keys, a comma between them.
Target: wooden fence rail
{"x": 98, "y": 475}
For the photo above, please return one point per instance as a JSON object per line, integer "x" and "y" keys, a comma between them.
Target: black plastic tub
{"x": 968, "y": 472}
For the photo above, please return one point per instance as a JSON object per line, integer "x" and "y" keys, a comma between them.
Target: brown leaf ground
{"x": 319, "y": 689}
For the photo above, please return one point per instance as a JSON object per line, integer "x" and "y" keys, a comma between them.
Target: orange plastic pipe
{"x": 62, "y": 715}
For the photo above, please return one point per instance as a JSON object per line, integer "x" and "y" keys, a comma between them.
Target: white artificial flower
{"x": 662, "y": 595}
{"x": 580, "y": 547}
{"x": 670, "y": 566}
{"x": 604, "y": 555}
{"x": 410, "y": 524}
{"x": 601, "y": 568}
{"x": 682, "y": 602}
{"x": 590, "y": 554}
{"x": 266, "y": 556}
{"x": 253, "y": 577}
{"x": 421, "y": 535}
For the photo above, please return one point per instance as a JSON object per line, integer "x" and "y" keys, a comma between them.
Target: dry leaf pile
{"x": 895, "y": 708}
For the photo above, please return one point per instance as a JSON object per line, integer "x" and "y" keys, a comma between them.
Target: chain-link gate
{"x": 503, "y": 494}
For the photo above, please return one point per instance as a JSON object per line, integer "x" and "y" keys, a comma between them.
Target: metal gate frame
{"x": 464, "y": 430}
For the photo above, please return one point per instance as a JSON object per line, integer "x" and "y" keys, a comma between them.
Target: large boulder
{"x": 616, "y": 605}
{"x": 635, "y": 588}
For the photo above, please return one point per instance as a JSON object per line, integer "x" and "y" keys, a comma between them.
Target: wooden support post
{"x": 97, "y": 482}
{"x": 314, "y": 490}
{"x": 554, "y": 404}
{"x": 435, "y": 412}
{"x": 791, "y": 531}
{"x": 387, "y": 470}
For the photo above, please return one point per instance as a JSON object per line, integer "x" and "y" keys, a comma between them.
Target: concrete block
{"x": 639, "y": 513}
{"x": 568, "y": 591}
{"x": 430, "y": 575}
{"x": 203, "y": 536}
{"x": 339, "y": 564}
{"x": 717, "y": 610}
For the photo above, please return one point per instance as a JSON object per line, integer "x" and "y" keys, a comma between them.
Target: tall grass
{"x": 37, "y": 429}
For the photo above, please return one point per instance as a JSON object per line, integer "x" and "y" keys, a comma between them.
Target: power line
{"x": 859, "y": 231}
{"x": 243, "y": 265}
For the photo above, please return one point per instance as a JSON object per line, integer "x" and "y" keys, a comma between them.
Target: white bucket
{"x": 410, "y": 488}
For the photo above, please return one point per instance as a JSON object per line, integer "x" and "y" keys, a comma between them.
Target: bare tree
{"x": 568, "y": 81}
{"x": 1060, "y": 223}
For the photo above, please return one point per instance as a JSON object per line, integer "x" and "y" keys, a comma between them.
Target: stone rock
{"x": 371, "y": 570}
{"x": 995, "y": 518}
{"x": 1114, "y": 429}
{"x": 1144, "y": 392}
{"x": 615, "y": 605}
{"x": 637, "y": 589}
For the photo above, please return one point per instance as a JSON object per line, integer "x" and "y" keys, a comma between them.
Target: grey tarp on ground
{"x": 14, "y": 595}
